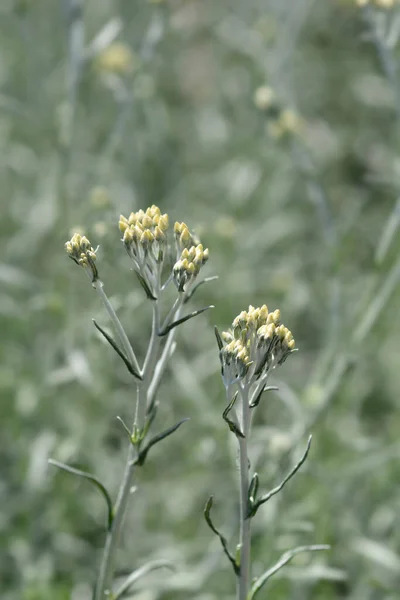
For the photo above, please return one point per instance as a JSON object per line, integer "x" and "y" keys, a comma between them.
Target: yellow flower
{"x": 264, "y": 97}
{"x": 118, "y": 58}
{"x": 99, "y": 197}
{"x": 287, "y": 123}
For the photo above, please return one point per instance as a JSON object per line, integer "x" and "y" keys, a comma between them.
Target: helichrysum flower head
{"x": 189, "y": 264}
{"x": 80, "y": 250}
{"x": 145, "y": 237}
{"x": 256, "y": 343}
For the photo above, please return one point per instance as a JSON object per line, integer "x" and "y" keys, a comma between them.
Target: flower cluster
{"x": 188, "y": 265}
{"x": 144, "y": 236}
{"x": 256, "y": 344}
{"x": 145, "y": 239}
{"x": 80, "y": 250}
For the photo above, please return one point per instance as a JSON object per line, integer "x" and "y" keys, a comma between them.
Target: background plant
{"x": 124, "y": 105}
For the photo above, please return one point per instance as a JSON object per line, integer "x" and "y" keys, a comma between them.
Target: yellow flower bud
{"x": 123, "y": 223}
{"x": 163, "y": 222}
{"x": 146, "y": 238}
{"x": 128, "y": 236}
{"x": 147, "y": 222}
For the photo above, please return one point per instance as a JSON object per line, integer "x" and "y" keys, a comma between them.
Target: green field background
{"x": 107, "y": 107}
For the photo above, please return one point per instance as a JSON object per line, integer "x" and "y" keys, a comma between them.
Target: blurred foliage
{"x": 115, "y": 105}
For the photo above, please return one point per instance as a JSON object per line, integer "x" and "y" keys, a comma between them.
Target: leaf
{"x": 93, "y": 480}
{"x": 125, "y": 426}
{"x": 145, "y": 286}
{"x": 253, "y": 489}
{"x": 252, "y": 511}
{"x": 232, "y": 426}
{"x": 157, "y": 438}
{"x": 195, "y": 287}
{"x": 222, "y": 539}
{"x": 138, "y": 573}
{"x": 182, "y": 320}
{"x": 268, "y": 388}
{"x": 284, "y": 559}
{"x": 219, "y": 339}
{"x": 113, "y": 344}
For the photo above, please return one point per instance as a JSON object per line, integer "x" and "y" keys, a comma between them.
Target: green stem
{"x": 245, "y": 538}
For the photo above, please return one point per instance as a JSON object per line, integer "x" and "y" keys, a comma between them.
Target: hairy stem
{"x": 244, "y": 543}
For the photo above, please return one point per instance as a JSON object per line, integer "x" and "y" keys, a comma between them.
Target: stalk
{"x": 104, "y": 582}
{"x": 245, "y": 538}
{"x": 151, "y": 372}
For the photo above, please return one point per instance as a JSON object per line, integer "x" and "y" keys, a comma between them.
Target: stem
{"x": 160, "y": 367}
{"x": 103, "y": 586}
{"x": 244, "y": 543}
{"x": 98, "y": 286}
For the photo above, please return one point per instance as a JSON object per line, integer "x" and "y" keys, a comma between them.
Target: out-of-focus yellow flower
{"x": 264, "y": 97}
{"x": 225, "y": 227}
{"x": 377, "y": 3}
{"x": 99, "y": 197}
{"x": 118, "y": 58}
{"x": 100, "y": 229}
{"x": 288, "y": 123}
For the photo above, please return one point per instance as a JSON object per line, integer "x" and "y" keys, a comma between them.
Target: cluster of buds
{"x": 256, "y": 344}
{"x": 190, "y": 256}
{"x": 145, "y": 237}
{"x": 189, "y": 264}
{"x": 80, "y": 250}
{"x": 145, "y": 240}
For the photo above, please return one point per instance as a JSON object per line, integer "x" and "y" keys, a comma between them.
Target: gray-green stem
{"x": 244, "y": 542}
{"x": 104, "y": 582}
{"x": 146, "y": 388}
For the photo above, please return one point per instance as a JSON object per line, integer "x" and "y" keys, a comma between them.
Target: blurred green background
{"x": 111, "y": 106}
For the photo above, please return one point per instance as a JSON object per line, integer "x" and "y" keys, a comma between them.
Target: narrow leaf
{"x": 219, "y": 339}
{"x": 222, "y": 539}
{"x": 278, "y": 488}
{"x": 141, "y": 572}
{"x": 93, "y": 480}
{"x": 253, "y": 489}
{"x": 183, "y": 319}
{"x": 284, "y": 559}
{"x": 145, "y": 286}
{"x": 232, "y": 426}
{"x": 268, "y": 388}
{"x": 195, "y": 287}
{"x": 157, "y": 438}
{"x": 124, "y": 425}
{"x": 113, "y": 344}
